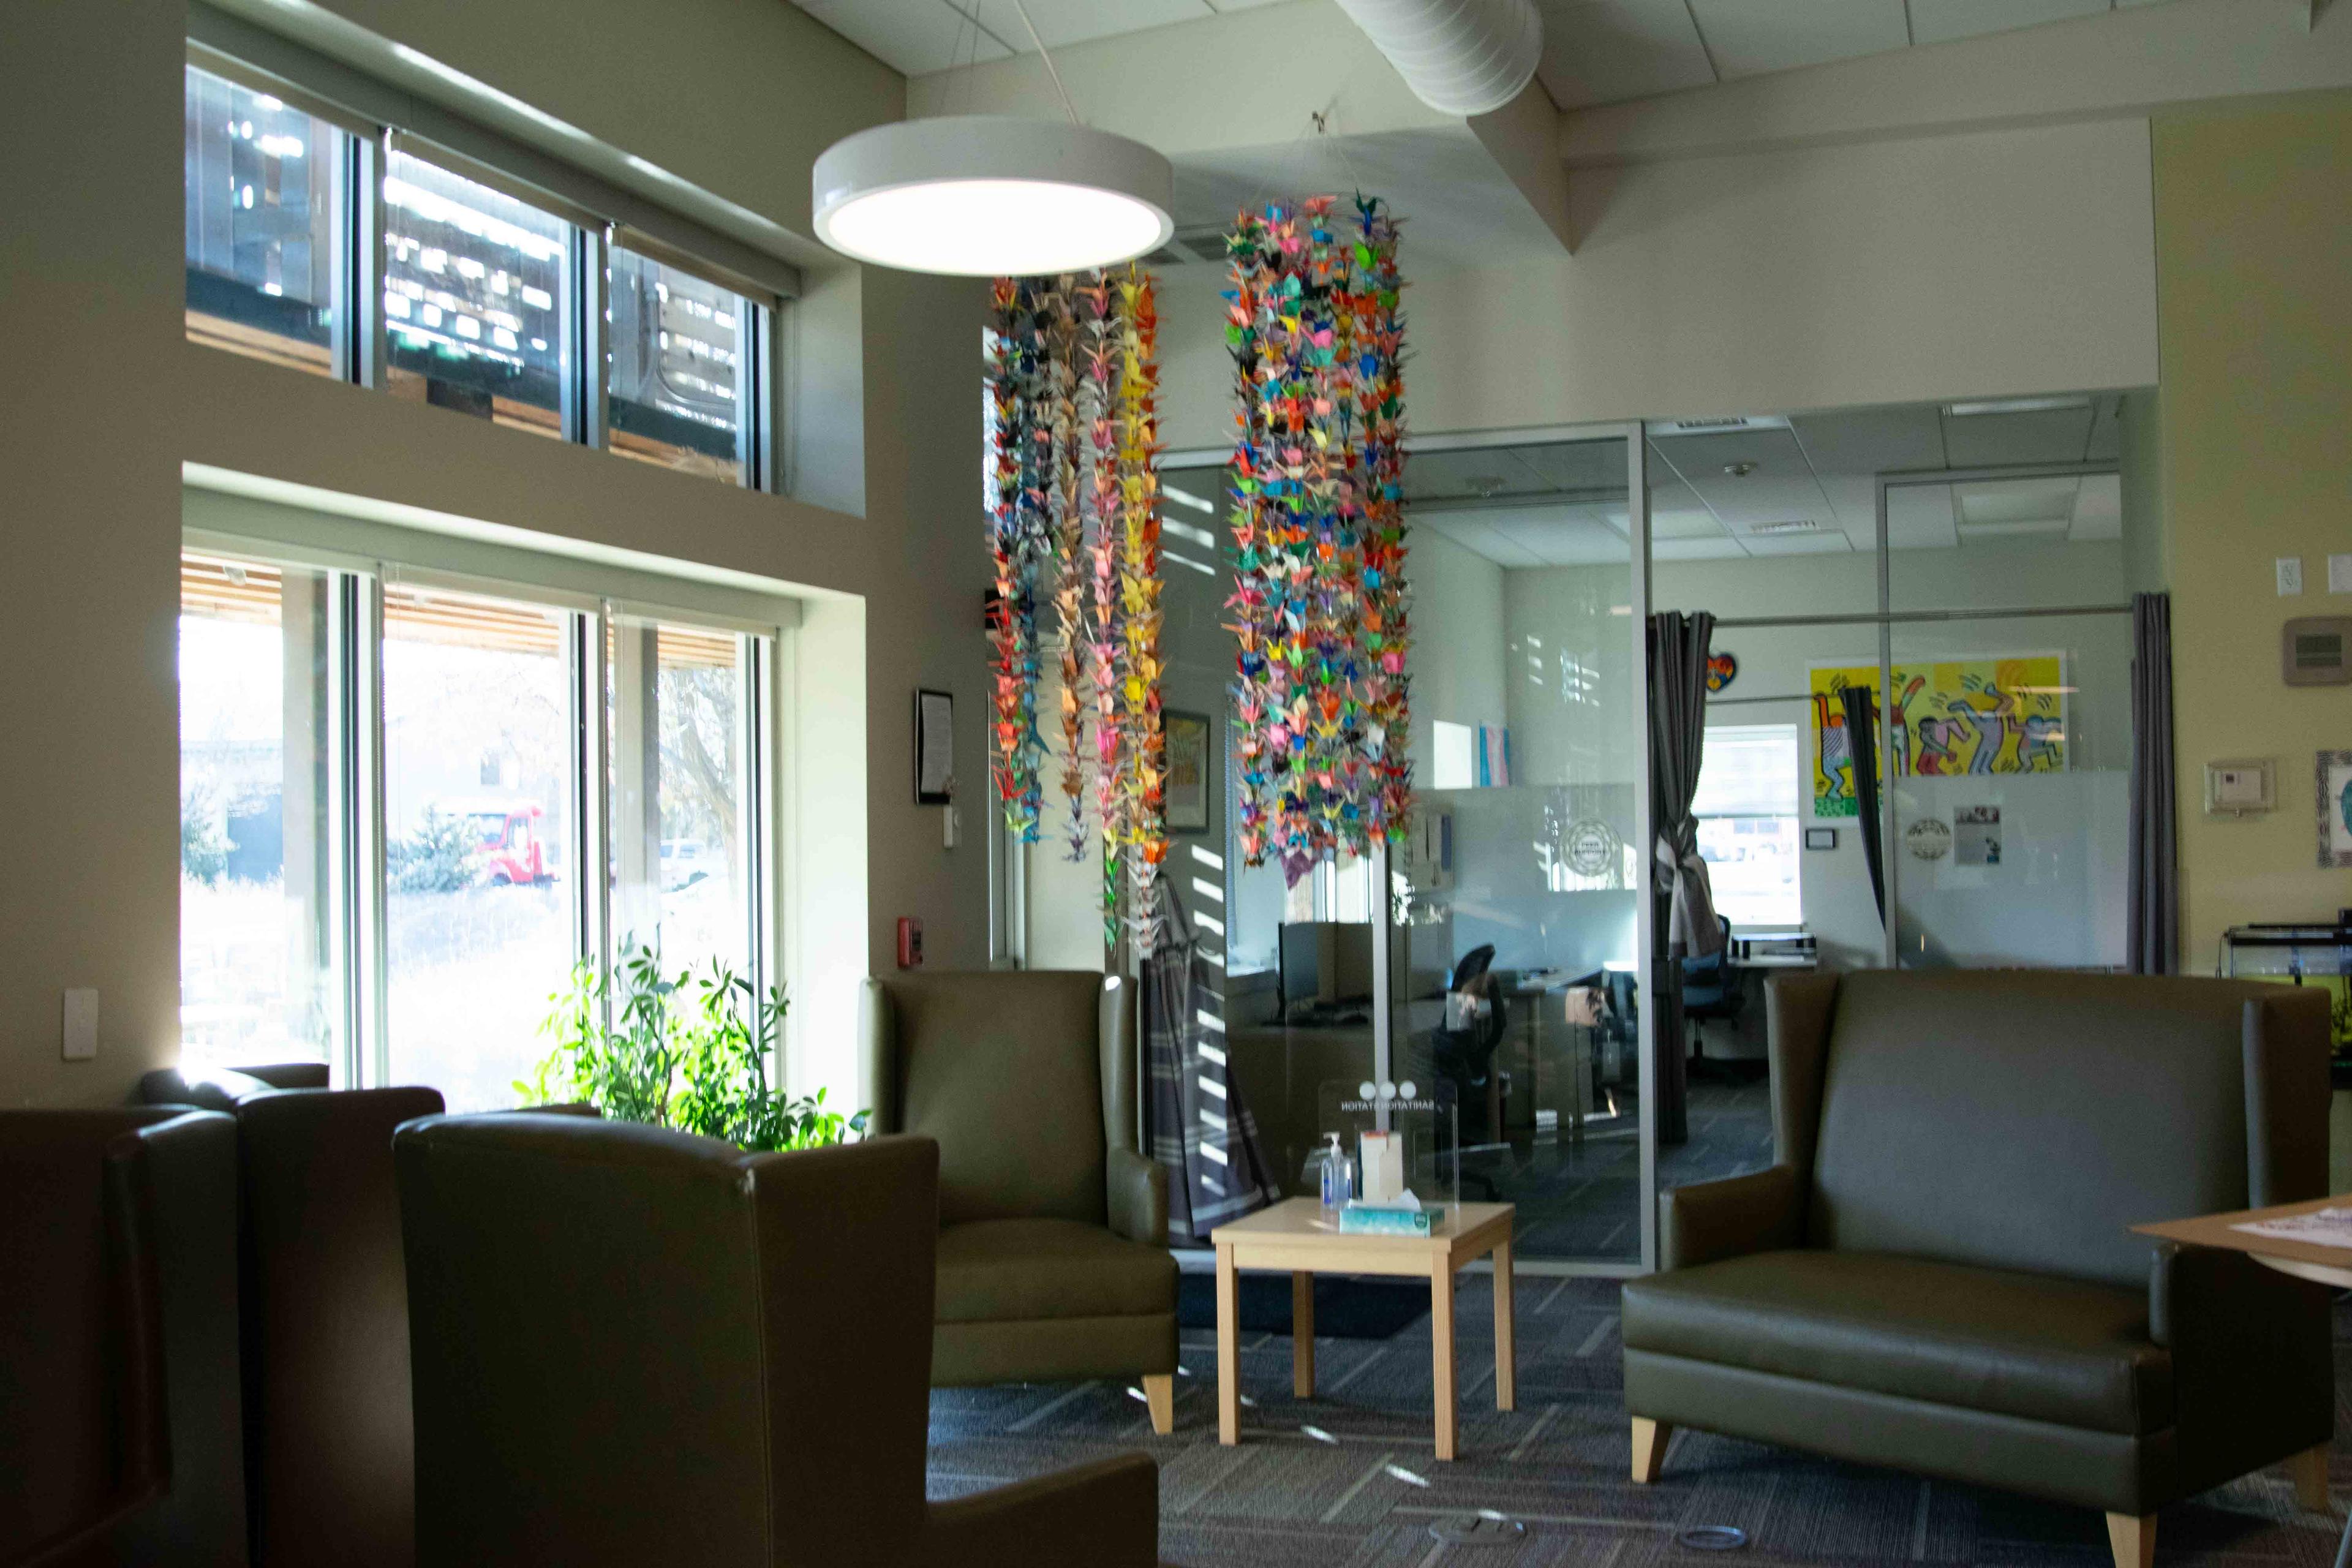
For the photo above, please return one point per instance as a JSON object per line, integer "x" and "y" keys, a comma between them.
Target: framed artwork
{"x": 934, "y": 747}
{"x": 1972, "y": 716}
{"x": 1190, "y": 768}
{"x": 2335, "y": 810}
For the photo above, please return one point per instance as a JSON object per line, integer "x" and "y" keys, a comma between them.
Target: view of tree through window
{"x": 478, "y": 767}
{"x": 677, "y": 713}
{"x": 1748, "y": 831}
{"x": 255, "y": 932}
{"x": 675, "y": 390}
{"x": 474, "y": 298}
{"x": 261, "y": 216}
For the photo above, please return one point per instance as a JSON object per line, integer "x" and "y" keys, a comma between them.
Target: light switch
{"x": 2339, "y": 574}
{"x": 2290, "y": 575}
{"x": 81, "y": 1027}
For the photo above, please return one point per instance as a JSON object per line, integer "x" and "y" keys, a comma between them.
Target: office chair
{"x": 1711, "y": 989}
{"x": 1465, "y": 1057}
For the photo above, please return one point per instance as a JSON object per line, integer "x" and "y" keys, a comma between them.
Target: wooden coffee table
{"x": 1297, "y": 1236}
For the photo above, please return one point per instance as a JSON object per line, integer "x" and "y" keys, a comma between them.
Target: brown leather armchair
{"x": 634, "y": 1346}
{"x": 118, "y": 1411}
{"x": 1937, "y": 1274}
{"x": 1053, "y": 1227}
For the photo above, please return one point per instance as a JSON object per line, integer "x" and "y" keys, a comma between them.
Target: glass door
{"x": 1517, "y": 903}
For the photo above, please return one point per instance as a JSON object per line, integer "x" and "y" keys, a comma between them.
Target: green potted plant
{"x": 689, "y": 1051}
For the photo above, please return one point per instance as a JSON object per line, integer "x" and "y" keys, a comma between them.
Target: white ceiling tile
{"x": 1061, "y": 22}
{"x": 1871, "y": 441}
{"x": 1773, "y": 452}
{"x": 1604, "y": 51}
{"x": 1474, "y": 535}
{"x": 1919, "y": 517}
{"x": 1677, "y": 512}
{"x": 1854, "y": 498}
{"x": 2106, "y": 429}
{"x": 1829, "y": 541}
{"x": 910, "y": 37}
{"x": 2098, "y": 508}
{"x": 1935, "y": 21}
{"x": 1747, "y": 37}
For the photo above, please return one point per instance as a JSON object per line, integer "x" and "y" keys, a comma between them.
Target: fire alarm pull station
{"x": 911, "y": 943}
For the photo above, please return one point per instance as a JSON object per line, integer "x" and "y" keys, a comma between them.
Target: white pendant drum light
{"x": 988, "y": 195}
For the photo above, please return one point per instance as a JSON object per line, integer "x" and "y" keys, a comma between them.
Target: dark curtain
{"x": 1216, "y": 1168}
{"x": 1686, "y": 923}
{"x": 2152, "y": 944}
{"x": 1861, "y": 704}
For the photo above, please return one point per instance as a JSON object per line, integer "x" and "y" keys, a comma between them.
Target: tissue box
{"x": 1383, "y": 1219}
{"x": 1380, "y": 1166}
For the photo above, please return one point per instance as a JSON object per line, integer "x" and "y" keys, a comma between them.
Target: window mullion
{"x": 363, "y": 226}
{"x": 587, "y": 420}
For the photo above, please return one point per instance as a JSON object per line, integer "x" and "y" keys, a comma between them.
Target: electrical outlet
{"x": 81, "y": 1027}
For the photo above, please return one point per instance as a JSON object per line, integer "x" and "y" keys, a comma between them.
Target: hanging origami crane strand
{"x": 1073, "y": 498}
{"x": 1319, "y": 599}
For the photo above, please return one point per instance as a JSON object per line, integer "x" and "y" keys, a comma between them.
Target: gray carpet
{"x": 1285, "y": 1498}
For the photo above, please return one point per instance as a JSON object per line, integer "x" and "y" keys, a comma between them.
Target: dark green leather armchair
{"x": 1937, "y": 1274}
{"x": 634, "y": 1346}
{"x": 1053, "y": 1242}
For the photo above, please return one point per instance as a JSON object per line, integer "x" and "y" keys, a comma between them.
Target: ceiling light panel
{"x": 1994, "y": 501}
{"x": 1606, "y": 51}
{"x": 1748, "y": 38}
{"x": 1998, "y": 440}
{"x": 910, "y": 37}
{"x": 1828, "y": 542}
{"x": 1936, "y": 21}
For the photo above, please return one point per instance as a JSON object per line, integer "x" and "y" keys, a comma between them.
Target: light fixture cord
{"x": 1051, "y": 69}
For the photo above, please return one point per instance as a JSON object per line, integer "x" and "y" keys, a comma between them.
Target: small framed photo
{"x": 2334, "y": 781}
{"x": 934, "y": 747}
{"x": 1191, "y": 746}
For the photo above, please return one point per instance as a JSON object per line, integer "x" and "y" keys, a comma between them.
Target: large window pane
{"x": 256, "y": 937}
{"x": 1747, "y": 809}
{"x": 677, "y": 713}
{"x": 676, "y": 394}
{"x": 474, "y": 298}
{"x": 477, "y": 790}
{"x": 261, "y": 216}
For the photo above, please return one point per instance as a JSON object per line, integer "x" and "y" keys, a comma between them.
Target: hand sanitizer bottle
{"x": 1339, "y": 1182}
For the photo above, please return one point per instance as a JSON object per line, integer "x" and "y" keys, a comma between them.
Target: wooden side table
{"x": 1296, "y": 1235}
{"x": 2329, "y": 1266}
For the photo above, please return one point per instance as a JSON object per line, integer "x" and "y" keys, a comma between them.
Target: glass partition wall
{"x": 1964, "y": 570}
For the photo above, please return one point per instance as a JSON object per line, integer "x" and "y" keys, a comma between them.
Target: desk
{"x": 1297, "y": 1236}
{"x": 2305, "y": 1261}
{"x": 1533, "y": 988}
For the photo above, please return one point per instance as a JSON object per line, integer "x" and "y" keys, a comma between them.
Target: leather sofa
{"x": 634, "y": 1346}
{"x": 1053, "y": 1227}
{"x": 1937, "y": 1273}
{"x": 118, "y": 1399}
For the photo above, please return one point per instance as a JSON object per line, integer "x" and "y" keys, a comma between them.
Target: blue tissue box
{"x": 1382, "y": 1219}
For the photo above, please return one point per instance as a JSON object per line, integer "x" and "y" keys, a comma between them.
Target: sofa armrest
{"x": 2253, "y": 1359}
{"x": 1137, "y": 1193}
{"x": 1709, "y": 1221}
{"x": 1102, "y": 1515}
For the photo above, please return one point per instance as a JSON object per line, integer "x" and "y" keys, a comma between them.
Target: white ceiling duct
{"x": 1459, "y": 57}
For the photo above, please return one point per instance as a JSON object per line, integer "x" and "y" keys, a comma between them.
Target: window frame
{"x": 359, "y": 1047}
{"x": 359, "y": 348}
{"x": 1794, "y": 816}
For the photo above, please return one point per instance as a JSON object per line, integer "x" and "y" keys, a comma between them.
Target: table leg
{"x": 1229, "y": 1350}
{"x": 1302, "y": 1335}
{"x": 1441, "y": 1335}
{"x": 1506, "y": 1361}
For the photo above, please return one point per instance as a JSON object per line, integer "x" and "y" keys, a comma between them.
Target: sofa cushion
{"x": 2068, "y": 1352}
{"x": 1020, "y": 1270}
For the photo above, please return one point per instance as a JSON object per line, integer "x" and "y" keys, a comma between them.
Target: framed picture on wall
{"x": 1191, "y": 760}
{"x": 2335, "y": 810}
{"x": 934, "y": 747}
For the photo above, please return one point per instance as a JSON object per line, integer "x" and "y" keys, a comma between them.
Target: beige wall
{"x": 1997, "y": 263}
{"x": 2254, "y": 232}
{"x": 104, "y": 401}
